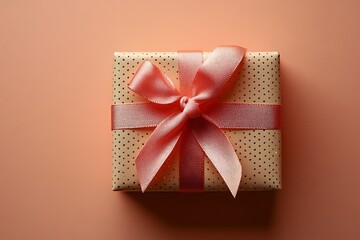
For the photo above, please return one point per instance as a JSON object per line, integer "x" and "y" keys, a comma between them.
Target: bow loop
{"x": 221, "y": 65}
{"x": 150, "y": 83}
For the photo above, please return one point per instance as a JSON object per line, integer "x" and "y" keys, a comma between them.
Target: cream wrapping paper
{"x": 259, "y": 151}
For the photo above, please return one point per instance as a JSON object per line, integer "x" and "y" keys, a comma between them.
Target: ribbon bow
{"x": 191, "y": 114}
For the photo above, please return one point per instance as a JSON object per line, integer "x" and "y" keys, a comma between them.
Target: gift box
{"x": 256, "y": 83}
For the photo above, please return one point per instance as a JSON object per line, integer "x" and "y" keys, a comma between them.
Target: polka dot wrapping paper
{"x": 259, "y": 151}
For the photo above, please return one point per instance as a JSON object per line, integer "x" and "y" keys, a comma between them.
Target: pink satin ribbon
{"x": 191, "y": 156}
{"x": 191, "y": 117}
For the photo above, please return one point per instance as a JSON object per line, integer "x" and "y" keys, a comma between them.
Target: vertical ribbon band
{"x": 191, "y": 158}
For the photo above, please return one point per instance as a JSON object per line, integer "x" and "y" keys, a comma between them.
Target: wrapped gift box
{"x": 259, "y": 151}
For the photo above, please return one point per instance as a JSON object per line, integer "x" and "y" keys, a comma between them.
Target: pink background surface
{"x": 55, "y": 95}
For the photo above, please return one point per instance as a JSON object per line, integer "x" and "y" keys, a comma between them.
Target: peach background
{"x": 55, "y": 138}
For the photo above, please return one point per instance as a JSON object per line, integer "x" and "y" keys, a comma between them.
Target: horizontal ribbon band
{"x": 138, "y": 115}
{"x": 225, "y": 115}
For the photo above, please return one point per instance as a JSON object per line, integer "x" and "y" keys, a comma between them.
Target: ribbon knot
{"x": 190, "y": 107}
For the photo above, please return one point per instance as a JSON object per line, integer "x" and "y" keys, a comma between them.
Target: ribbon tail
{"x": 158, "y": 148}
{"x": 219, "y": 150}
